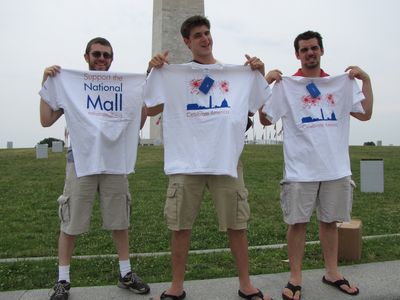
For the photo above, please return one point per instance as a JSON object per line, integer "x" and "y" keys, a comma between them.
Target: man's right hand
{"x": 50, "y": 71}
{"x": 158, "y": 61}
{"x": 273, "y": 75}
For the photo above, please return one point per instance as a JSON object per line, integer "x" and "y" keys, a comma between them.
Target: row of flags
{"x": 276, "y": 132}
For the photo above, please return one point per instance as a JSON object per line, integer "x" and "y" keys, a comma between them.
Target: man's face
{"x": 200, "y": 41}
{"x": 309, "y": 53}
{"x": 99, "y": 57}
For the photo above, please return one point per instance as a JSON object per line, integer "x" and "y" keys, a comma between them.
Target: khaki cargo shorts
{"x": 76, "y": 202}
{"x": 185, "y": 194}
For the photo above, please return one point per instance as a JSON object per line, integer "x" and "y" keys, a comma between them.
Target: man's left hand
{"x": 255, "y": 64}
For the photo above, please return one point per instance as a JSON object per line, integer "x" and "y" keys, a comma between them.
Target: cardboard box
{"x": 350, "y": 240}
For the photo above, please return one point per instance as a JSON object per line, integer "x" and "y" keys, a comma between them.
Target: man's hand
{"x": 357, "y": 72}
{"x": 273, "y": 75}
{"x": 158, "y": 61}
{"x": 367, "y": 103}
{"x": 50, "y": 71}
{"x": 255, "y": 64}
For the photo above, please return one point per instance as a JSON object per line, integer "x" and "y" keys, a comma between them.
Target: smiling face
{"x": 99, "y": 57}
{"x": 309, "y": 54}
{"x": 200, "y": 42}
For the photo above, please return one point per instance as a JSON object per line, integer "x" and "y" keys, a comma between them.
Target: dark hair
{"x": 101, "y": 41}
{"x": 306, "y": 36}
{"x": 192, "y": 22}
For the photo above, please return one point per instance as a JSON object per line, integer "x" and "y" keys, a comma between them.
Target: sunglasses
{"x": 98, "y": 54}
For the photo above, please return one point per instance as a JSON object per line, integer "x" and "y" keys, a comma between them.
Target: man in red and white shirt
{"x": 317, "y": 166}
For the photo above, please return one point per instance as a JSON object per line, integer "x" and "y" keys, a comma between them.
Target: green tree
{"x": 49, "y": 141}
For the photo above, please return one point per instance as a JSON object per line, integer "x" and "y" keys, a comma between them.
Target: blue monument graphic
{"x": 323, "y": 118}
{"x": 195, "y": 106}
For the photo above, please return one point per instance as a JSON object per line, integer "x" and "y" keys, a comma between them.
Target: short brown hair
{"x": 307, "y": 35}
{"x": 101, "y": 41}
{"x": 192, "y": 22}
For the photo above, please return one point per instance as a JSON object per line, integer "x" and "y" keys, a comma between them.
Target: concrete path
{"x": 375, "y": 280}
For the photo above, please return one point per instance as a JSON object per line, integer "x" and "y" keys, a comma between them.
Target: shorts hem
{"x": 290, "y": 222}
{"x": 116, "y": 228}
{"x": 74, "y": 232}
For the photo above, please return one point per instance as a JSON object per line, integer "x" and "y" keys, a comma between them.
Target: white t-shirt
{"x": 316, "y": 130}
{"x": 103, "y": 111}
{"x": 204, "y": 133}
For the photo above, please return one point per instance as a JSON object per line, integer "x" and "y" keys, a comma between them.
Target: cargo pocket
{"x": 352, "y": 188}
{"x": 63, "y": 208}
{"x": 128, "y": 205}
{"x": 243, "y": 209}
{"x": 284, "y": 195}
{"x": 171, "y": 206}
{"x": 352, "y": 184}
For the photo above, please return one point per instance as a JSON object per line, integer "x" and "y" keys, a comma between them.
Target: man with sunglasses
{"x": 113, "y": 192}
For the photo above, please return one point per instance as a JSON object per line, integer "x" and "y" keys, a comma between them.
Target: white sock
{"x": 63, "y": 273}
{"x": 124, "y": 267}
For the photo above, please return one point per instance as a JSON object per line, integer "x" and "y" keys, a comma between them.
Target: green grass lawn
{"x": 29, "y": 225}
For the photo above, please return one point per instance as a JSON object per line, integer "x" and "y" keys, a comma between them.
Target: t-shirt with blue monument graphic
{"x": 315, "y": 129}
{"x": 102, "y": 111}
{"x": 205, "y": 114}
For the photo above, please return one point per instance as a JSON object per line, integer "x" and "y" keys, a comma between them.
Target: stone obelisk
{"x": 168, "y": 16}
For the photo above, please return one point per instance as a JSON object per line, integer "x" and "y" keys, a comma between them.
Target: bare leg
{"x": 66, "y": 245}
{"x": 239, "y": 247}
{"x": 180, "y": 241}
{"x": 296, "y": 238}
{"x": 328, "y": 235}
{"x": 121, "y": 241}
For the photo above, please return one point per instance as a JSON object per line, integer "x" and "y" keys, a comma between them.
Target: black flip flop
{"x": 165, "y": 296}
{"x": 254, "y": 296}
{"x": 293, "y": 289}
{"x": 338, "y": 284}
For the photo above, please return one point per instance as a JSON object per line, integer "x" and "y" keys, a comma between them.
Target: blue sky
{"x": 39, "y": 33}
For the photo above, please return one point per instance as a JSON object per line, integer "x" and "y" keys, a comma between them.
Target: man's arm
{"x": 367, "y": 103}
{"x": 154, "y": 110}
{"x": 263, "y": 117}
{"x": 271, "y": 77}
{"x": 47, "y": 115}
{"x": 143, "y": 116}
{"x": 157, "y": 61}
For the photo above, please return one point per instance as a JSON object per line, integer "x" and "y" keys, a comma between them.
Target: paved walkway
{"x": 377, "y": 281}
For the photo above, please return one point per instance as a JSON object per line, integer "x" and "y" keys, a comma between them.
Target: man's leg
{"x": 328, "y": 236}
{"x": 239, "y": 247}
{"x": 296, "y": 239}
{"x": 121, "y": 241}
{"x": 66, "y": 245}
{"x": 180, "y": 242}
{"x": 127, "y": 279}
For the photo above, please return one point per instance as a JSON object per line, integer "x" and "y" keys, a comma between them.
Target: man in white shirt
{"x": 79, "y": 192}
{"x": 185, "y": 190}
{"x": 316, "y": 122}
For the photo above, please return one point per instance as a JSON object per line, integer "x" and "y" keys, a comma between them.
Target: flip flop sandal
{"x": 293, "y": 289}
{"x": 338, "y": 284}
{"x": 255, "y": 296}
{"x": 165, "y": 296}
